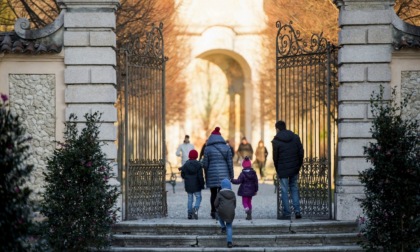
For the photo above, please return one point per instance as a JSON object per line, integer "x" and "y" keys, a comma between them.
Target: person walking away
{"x": 192, "y": 173}
{"x": 248, "y": 188}
{"x": 288, "y": 158}
{"x": 244, "y": 149}
{"x": 217, "y": 164}
{"x": 261, "y": 158}
{"x": 184, "y": 149}
{"x": 225, "y": 203}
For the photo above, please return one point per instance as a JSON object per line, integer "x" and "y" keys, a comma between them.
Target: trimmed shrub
{"x": 79, "y": 202}
{"x": 392, "y": 184}
{"x": 15, "y": 205}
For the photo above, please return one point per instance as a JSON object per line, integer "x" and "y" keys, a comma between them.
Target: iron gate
{"x": 142, "y": 127}
{"x": 306, "y": 99}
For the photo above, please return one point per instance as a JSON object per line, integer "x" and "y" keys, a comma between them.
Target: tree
{"x": 15, "y": 206}
{"x": 391, "y": 185}
{"x": 133, "y": 17}
{"x": 136, "y": 18}
{"x": 309, "y": 17}
{"x": 79, "y": 202}
{"x": 408, "y": 10}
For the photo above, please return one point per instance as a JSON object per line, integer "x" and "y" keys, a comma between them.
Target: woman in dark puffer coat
{"x": 218, "y": 165}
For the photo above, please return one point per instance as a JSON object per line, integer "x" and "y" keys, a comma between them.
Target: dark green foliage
{"x": 15, "y": 207}
{"x": 392, "y": 185}
{"x": 79, "y": 201}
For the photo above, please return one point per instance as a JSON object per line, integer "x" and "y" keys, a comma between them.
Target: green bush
{"x": 15, "y": 207}
{"x": 392, "y": 184}
{"x": 78, "y": 200}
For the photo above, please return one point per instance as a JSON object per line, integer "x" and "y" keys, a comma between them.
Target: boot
{"x": 195, "y": 213}
{"x": 249, "y": 215}
{"x": 213, "y": 215}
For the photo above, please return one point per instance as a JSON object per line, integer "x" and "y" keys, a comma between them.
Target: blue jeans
{"x": 228, "y": 226}
{"x": 285, "y": 184}
{"x": 191, "y": 200}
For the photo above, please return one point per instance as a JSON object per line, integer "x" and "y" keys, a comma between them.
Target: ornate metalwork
{"x": 142, "y": 122}
{"x": 289, "y": 42}
{"x": 147, "y": 48}
{"x": 146, "y": 194}
{"x": 313, "y": 189}
{"x": 405, "y": 35}
{"x": 22, "y": 28}
{"x": 306, "y": 88}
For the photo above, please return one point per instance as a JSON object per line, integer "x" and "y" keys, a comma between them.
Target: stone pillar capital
{"x": 364, "y": 4}
{"x": 89, "y": 4}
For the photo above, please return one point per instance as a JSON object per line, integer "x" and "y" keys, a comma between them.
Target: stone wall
{"x": 371, "y": 35}
{"x": 32, "y": 97}
{"x": 364, "y": 57}
{"x": 410, "y": 85}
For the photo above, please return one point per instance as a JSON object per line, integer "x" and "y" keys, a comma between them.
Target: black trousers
{"x": 213, "y": 195}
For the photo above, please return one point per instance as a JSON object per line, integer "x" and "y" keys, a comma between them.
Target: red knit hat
{"x": 193, "y": 154}
{"x": 246, "y": 163}
{"x": 216, "y": 131}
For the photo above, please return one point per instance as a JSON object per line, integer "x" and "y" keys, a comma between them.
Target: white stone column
{"x": 90, "y": 61}
{"x": 364, "y": 59}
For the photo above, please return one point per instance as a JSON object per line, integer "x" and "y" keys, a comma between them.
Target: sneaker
{"x": 190, "y": 216}
{"x": 223, "y": 231}
{"x": 298, "y": 216}
{"x": 229, "y": 245}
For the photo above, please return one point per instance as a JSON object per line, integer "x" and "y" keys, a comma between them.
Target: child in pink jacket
{"x": 248, "y": 188}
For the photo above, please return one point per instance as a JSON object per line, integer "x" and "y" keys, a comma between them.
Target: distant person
{"x": 192, "y": 173}
{"x": 288, "y": 158}
{"x": 202, "y": 151}
{"x": 231, "y": 148}
{"x": 244, "y": 149}
{"x": 248, "y": 188}
{"x": 184, "y": 149}
{"x": 225, "y": 204}
{"x": 261, "y": 158}
{"x": 217, "y": 163}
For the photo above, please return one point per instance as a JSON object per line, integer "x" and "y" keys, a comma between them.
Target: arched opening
{"x": 217, "y": 96}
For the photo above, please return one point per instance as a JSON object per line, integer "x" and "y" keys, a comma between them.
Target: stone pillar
{"x": 90, "y": 61}
{"x": 364, "y": 59}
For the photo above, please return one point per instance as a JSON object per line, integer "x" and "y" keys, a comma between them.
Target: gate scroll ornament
{"x": 142, "y": 143}
{"x": 306, "y": 99}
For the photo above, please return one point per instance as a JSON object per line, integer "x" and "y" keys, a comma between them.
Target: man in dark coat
{"x": 288, "y": 158}
{"x": 218, "y": 165}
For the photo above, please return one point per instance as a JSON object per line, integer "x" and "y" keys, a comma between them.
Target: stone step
{"x": 283, "y": 240}
{"x": 352, "y": 248}
{"x": 241, "y": 227}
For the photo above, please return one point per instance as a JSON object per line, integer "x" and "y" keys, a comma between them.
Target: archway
{"x": 218, "y": 94}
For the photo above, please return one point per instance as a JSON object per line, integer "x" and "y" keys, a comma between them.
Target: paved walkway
{"x": 264, "y": 203}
